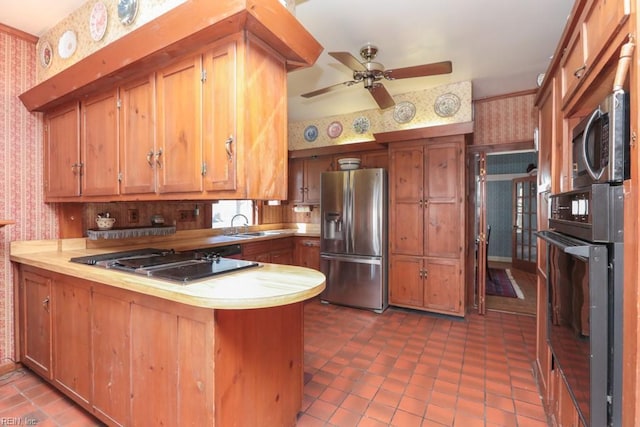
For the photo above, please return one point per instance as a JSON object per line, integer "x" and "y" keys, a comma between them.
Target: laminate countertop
{"x": 269, "y": 285}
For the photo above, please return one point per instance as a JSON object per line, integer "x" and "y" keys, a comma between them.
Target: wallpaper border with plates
{"x": 441, "y": 105}
{"x": 89, "y": 28}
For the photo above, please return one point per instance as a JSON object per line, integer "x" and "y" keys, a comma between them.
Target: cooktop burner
{"x": 180, "y": 267}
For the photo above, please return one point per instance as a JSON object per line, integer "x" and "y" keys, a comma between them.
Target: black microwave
{"x": 601, "y": 143}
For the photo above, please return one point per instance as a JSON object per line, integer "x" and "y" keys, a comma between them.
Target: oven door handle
{"x": 569, "y": 245}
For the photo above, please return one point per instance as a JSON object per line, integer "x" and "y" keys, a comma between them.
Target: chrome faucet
{"x": 246, "y": 222}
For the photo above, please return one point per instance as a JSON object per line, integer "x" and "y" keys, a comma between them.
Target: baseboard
{"x": 499, "y": 259}
{"x": 8, "y": 366}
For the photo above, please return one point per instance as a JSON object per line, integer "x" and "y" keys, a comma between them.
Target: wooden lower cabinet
{"x": 276, "y": 251}
{"x": 133, "y": 359}
{"x": 307, "y": 252}
{"x": 425, "y": 283}
{"x": 35, "y": 318}
{"x": 71, "y": 302}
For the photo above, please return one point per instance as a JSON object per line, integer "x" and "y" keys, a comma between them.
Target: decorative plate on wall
{"x": 310, "y": 133}
{"x": 98, "y": 21}
{"x": 334, "y": 130}
{"x": 361, "y": 124}
{"x": 127, "y": 11}
{"x": 67, "y": 44}
{"x": 404, "y": 112}
{"x": 447, "y": 105}
{"x": 46, "y": 54}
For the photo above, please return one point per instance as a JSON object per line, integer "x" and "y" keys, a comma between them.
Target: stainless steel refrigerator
{"x": 353, "y": 243}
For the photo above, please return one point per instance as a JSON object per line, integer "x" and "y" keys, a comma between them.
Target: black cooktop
{"x": 183, "y": 267}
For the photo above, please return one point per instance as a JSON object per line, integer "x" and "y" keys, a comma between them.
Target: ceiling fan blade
{"x": 381, "y": 96}
{"x": 349, "y": 60}
{"x": 419, "y": 70}
{"x": 327, "y": 89}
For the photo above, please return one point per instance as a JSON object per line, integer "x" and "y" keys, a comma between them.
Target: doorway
{"x": 504, "y": 209}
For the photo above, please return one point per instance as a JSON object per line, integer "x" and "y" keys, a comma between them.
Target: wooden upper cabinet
{"x": 178, "y": 158}
{"x": 219, "y": 118}
{"x": 304, "y": 178}
{"x": 99, "y": 145}
{"x": 62, "y": 164}
{"x": 137, "y": 136}
{"x": 375, "y": 159}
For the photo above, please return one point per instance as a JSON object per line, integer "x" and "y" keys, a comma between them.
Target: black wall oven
{"x": 585, "y": 280}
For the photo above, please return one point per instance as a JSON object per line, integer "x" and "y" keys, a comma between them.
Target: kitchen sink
{"x": 256, "y": 234}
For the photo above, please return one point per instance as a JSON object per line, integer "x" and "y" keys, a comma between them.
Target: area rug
{"x": 503, "y": 284}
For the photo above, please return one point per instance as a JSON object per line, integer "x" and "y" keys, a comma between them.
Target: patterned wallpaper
{"x": 505, "y": 119}
{"x": 78, "y": 22}
{"x": 383, "y": 120}
{"x": 21, "y": 195}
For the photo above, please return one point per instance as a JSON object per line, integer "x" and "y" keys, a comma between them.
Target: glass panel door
{"x": 524, "y": 223}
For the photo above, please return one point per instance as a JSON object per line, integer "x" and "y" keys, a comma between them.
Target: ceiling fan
{"x": 370, "y": 73}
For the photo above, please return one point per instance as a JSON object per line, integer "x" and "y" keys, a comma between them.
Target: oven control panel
{"x": 594, "y": 214}
{"x": 573, "y": 206}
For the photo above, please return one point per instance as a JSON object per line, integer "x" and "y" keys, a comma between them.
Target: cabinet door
{"x": 111, "y": 357}
{"x": 99, "y": 145}
{"x": 296, "y": 180}
{"x": 219, "y": 112}
{"x": 406, "y": 213}
{"x": 405, "y": 281}
{"x": 313, "y": 169}
{"x": 72, "y": 337}
{"x": 376, "y": 159}
{"x": 137, "y": 137}
{"x": 442, "y": 286}
{"x": 282, "y": 256}
{"x": 36, "y": 323}
{"x": 443, "y": 207}
{"x": 308, "y": 252}
{"x": 62, "y": 167}
{"x": 179, "y": 150}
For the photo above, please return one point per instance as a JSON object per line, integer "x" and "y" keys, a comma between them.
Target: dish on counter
{"x": 334, "y": 130}
{"x": 67, "y": 44}
{"x": 310, "y": 133}
{"x": 127, "y": 11}
{"x": 98, "y": 21}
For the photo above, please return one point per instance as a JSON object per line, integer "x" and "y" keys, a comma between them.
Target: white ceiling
{"x": 498, "y": 45}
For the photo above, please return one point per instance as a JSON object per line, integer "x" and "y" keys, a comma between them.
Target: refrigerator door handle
{"x": 358, "y": 260}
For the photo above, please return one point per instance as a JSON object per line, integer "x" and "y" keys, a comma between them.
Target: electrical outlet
{"x": 186, "y": 215}
{"x": 133, "y": 215}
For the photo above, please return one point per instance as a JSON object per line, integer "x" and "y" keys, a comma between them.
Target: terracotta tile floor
{"x": 400, "y": 368}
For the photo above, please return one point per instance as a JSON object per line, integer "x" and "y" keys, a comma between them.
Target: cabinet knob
{"x": 45, "y": 304}
{"x": 149, "y": 156}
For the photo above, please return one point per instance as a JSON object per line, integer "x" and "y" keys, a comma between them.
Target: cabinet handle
{"x": 149, "y": 156}
{"x": 579, "y": 71}
{"x": 75, "y": 167}
{"x": 227, "y": 146}
{"x": 45, "y": 304}
{"x": 158, "y": 162}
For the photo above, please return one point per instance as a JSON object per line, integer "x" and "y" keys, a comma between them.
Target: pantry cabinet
{"x": 427, "y": 225}
{"x": 62, "y": 164}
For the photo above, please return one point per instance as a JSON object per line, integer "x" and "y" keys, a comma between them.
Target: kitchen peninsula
{"x": 134, "y": 350}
